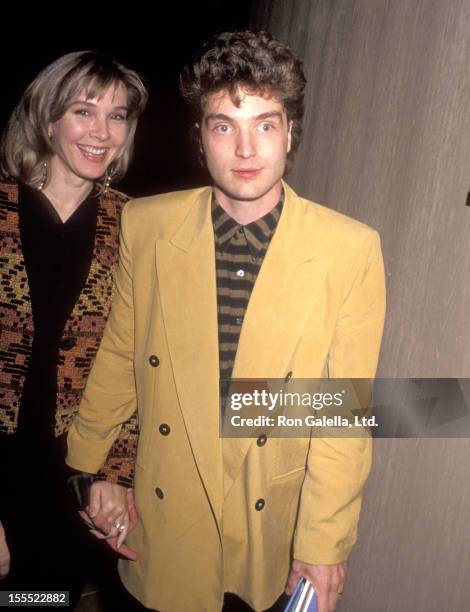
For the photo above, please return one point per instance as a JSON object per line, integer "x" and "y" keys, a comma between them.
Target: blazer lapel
{"x": 187, "y": 281}
{"x": 285, "y": 294}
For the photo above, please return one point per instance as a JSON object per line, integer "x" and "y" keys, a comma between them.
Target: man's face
{"x": 245, "y": 147}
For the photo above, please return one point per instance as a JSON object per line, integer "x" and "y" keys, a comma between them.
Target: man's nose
{"x": 246, "y": 146}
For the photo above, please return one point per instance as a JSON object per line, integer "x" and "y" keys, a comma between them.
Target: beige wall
{"x": 387, "y": 141}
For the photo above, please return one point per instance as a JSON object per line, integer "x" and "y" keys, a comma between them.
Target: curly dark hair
{"x": 254, "y": 61}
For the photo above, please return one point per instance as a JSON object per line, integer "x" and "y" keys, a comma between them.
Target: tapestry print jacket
{"x": 82, "y": 333}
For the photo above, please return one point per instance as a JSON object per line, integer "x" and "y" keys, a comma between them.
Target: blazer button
{"x": 159, "y": 493}
{"x": 261, "y": 441}
{"x": 164, "y": 429}
{"x": 260, "y": 504}
{"x": 154, "y": 361}
{"x": 67, "y": 343}
{"x": 288, "y": 376}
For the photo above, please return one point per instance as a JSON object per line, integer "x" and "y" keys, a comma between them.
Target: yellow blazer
{"x": 317, "y": 309}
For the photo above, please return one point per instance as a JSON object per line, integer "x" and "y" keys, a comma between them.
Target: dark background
{"x": 386, "y": 140}
{"x": 155, "y": 41}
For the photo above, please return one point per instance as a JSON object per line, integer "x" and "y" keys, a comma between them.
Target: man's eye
{"x": 222, "y": 128}
{"x": 266, "y": 127}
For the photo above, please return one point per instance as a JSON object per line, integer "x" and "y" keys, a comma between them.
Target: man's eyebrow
{"x": 217, "y": 116}
{"x": 269, "y": 115}
{"x": 223, "y": 117}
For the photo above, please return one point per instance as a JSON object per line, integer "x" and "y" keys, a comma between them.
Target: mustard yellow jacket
{"x": 317, "y": 309}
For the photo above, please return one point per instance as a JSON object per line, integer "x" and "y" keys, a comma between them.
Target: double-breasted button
{"x": 67, "y": 343}
{"x": 164, "y": 429}
{"x": 260, "y": 504}
{"x": 288, "y": 376}
{"x": 154, "y": 361}
{"x": 261, "y": 441}
{"x": 159, "y": 493}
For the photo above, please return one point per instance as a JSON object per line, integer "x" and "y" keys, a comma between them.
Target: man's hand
{"x": 327, "y": 580}
{"x": 4, "y": 554}
{"x": 111, "y": 515}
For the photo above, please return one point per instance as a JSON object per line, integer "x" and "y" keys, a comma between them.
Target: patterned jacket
{"x": 82, "y": 333}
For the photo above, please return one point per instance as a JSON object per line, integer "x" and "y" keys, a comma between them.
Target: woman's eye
{"x": 120, "y": 117}
{"x": 82, "y": 111}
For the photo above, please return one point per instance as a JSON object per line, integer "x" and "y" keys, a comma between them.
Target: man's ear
{"x": 289, "y": 135}
{"x": 197, "y": 136}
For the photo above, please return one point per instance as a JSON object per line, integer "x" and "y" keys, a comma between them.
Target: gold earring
{"x": 107, "y": 181}
{"x": 40, "y": 187}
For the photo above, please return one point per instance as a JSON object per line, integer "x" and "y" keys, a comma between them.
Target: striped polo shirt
{"x": 239, "y": 253}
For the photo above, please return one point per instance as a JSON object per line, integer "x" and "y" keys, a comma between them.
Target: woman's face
{"x": 91, "y": 133}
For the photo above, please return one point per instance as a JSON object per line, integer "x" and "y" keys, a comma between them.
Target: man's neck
{"x": 247, "y": 211}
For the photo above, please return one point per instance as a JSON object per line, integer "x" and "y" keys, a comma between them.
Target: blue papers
{"x": 303, "y": 599}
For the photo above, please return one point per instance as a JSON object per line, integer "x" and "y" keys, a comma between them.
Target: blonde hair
{"x": 26, "y": 144}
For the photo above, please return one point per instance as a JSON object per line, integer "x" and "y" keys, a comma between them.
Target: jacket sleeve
{"x": 109, "y": 399}
{"x": 119, "y": 466}
{"x": 337, "y": 468}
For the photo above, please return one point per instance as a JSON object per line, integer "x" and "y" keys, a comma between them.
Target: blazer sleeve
{"x": 109, "y": 399}
{"x": 337, "y": 468}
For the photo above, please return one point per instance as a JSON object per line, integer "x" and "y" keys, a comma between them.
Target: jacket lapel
{"x": 187, "y": 281}
{"x": 285, "y": 295}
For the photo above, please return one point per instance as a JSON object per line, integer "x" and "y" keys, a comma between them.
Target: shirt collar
{"x": 258, "y": 233}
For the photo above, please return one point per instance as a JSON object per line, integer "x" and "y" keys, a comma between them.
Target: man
{"x": 244, "y": 279}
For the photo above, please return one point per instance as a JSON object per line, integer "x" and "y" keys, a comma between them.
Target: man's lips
{"x": 247, "y": 173}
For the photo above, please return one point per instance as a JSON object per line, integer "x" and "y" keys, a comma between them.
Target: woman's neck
{"x": 66, "y": 191}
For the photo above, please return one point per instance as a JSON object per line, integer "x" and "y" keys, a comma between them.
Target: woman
{"x": 69, "y": 137}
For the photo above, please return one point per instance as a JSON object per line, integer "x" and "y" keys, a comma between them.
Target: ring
{"x": 119, "y": 526}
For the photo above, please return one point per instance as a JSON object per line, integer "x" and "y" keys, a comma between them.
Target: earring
{"x": 40, "y": 187}
{"x": 107, "y": 181}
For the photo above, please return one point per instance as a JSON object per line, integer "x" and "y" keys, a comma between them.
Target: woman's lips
{"x": 94, "y": 154}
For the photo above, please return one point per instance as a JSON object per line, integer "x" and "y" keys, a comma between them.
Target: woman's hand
{"x": 4, "y": 554}
{"x": 111, "y": 514}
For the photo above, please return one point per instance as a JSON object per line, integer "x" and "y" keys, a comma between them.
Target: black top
{"x": 57, "y": 259}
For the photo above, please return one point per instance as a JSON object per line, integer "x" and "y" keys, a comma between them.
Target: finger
{"x": 95, "y": 500}
{"x": 122, "y": 536}
{"x": 119, "y": 528}
{"x": 84, "y": 516}
{"x": 131, "y": 508}
{"x": 101, "y": 522}
{"x": 333, "y": 600}
{"x": 292, "y": 581}
{"x": 116, "y": 515}
{"x": 4, "y": 566}
{"x": 107, "y": 529}
{"x": 124, "y": 551}
{"x": 342, "y": 576}
{"x": 103, "y": 536}
{"x": 99, "y": 535}
{"x": 120, "y": 525}
{"x": 323, "y": 601}
{"x": 128, "y": 553}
